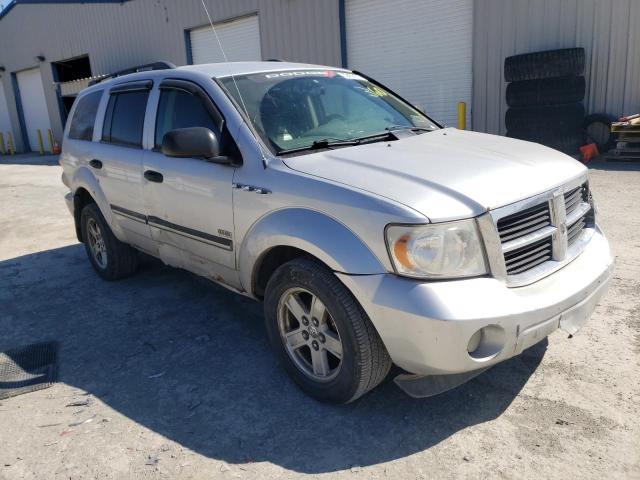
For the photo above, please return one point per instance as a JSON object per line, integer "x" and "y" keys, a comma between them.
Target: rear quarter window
{"x": 84, "y": 118}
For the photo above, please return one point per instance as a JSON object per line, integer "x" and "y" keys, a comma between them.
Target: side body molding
{"x": 319, "y": 235}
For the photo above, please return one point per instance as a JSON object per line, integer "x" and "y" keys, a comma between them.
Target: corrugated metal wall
{"x": 118, "y": 36}
{"x": 609, "y": 30}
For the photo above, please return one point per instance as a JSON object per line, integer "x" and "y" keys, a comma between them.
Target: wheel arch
{"x": 81, "y": 198}
{"x": 293, "y": 232}
{"x": 86, "y": 190}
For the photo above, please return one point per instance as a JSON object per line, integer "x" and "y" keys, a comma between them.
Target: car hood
{"x": 447, "y": 174}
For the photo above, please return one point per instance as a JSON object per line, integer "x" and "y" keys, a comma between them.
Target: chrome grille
{"x": 540, "y": 234}
{"x": 573, "y": 198}
{"x": 522, "y": 223}
{"x": 525, "y": 258}
{"x": 574, "y": 231}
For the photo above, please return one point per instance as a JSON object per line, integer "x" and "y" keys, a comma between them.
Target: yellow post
{"x": 40, "y": 144}
{"x": 50, "y": 135}
{"x": 10, "y": 143}
{"x": 2, "y": 152}
{"x": 462, "y": 116}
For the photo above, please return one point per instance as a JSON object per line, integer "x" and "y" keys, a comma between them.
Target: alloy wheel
{"x": 309, "y": 334}
{"x": 96, "y": 243}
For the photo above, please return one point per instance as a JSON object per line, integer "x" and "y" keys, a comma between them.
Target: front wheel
{"x": 321, "y": 334}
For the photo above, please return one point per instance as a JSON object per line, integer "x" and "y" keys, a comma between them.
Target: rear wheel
{"x": 321, "y": 334}
{"x": 110, "y": 258}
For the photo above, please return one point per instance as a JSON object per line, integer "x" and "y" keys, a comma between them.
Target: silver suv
{"x": 373, "y": 235}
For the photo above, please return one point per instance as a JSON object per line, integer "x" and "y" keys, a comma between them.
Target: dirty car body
{"x": 460, "y": 249}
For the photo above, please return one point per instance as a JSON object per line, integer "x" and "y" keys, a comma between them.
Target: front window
{"x": 180, "y": 109}
{"x": 296, "y": 109}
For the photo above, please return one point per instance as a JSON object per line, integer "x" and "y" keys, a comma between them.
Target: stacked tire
{"x": 544, "y": 95}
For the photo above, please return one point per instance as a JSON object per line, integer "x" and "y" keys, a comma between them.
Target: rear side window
{"x": 85, "y": 116}
{"x": 124, "y": 119}
{"x": 180, "y": 109}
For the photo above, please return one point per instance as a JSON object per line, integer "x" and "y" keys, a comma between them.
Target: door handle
{"x": 95, "y": 163}
{"x": 153, "y": 176}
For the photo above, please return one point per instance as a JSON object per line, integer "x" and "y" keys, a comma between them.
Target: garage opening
{"x": 240, "y": 39}
{"x": 34, "y": 107}
{"x": 67, "y": 71}
{"x": 422, "y": 49}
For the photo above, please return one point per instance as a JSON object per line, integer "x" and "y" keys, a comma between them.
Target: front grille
{"x": 574, "y": 231}
{"x": 524, "y": 222}
{"x": 542, "y": 232}
{"x": 528, "y": 257}
{"x": 573, "y": 198}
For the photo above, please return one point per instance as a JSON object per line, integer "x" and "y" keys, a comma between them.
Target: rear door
{"x": 117, "y": 159}
{"x": 188, "y": 200}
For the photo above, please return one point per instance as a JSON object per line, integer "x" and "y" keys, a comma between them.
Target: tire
{"x": 566, "y": 142}
{"x": 121, "y": 260}
{"x": 547, "y": 64}
{"x": 557, "y": 117}
{"x": 548, "y": 91}
{"x": 365, "y": 361}
{"x": 597, "y": 128}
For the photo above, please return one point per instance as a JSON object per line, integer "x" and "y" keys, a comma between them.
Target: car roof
{"x": 226, "y": 69}
{"x": 210, "y": 70}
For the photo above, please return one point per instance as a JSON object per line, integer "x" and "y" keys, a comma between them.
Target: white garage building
{"x": 435, "y": 53}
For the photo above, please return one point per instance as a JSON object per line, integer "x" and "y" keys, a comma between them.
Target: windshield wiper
{"x": 321, "y": 144}
{"x": 390, "y": 134}
{"x": 393, "y": 128}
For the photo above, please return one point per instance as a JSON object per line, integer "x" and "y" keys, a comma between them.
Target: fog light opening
{"x": 474, "y": 341}
{"x": 486, "y": 343}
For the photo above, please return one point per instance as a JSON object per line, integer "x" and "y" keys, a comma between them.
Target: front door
{"x": 188, "y": 200}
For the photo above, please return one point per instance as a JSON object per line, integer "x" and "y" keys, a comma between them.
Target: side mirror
{"x": 196, "y": 142}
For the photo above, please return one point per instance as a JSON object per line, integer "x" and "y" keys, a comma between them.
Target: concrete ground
{"x": 180, "y": 383}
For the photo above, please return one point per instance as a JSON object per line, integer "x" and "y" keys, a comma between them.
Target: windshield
{"x": 296, "y": 109}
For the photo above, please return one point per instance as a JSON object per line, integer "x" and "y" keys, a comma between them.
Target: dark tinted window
{"x": 85, "y": 116}
{"x": 125, "y": 118}
{"x": 180, "y": 109}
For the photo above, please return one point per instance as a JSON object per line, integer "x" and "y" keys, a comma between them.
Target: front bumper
{"x": 427, "y": 327}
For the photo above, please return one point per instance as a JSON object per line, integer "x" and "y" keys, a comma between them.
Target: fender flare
{"x": 316, "y": 233}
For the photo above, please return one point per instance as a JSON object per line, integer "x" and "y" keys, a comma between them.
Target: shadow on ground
{"x": 220, "y": 392}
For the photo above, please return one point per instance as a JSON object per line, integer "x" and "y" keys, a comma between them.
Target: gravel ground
{"x": 180, "y": 383}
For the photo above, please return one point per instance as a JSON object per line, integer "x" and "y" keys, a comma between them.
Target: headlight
{"x": 441, "y": 250}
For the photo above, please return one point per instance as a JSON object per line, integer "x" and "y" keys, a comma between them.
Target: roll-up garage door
{"x": 34, "y": 106}
{"x": 422, "y": 49}
{"x": 240, "y": 39}
{"x": 5, "y": 123}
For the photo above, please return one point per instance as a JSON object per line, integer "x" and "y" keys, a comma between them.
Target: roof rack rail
{"x": 162, "y": 65}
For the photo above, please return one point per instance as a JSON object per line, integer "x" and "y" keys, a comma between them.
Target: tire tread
{"x": 123, "y": 259}
{"x": 373, "y": 360}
